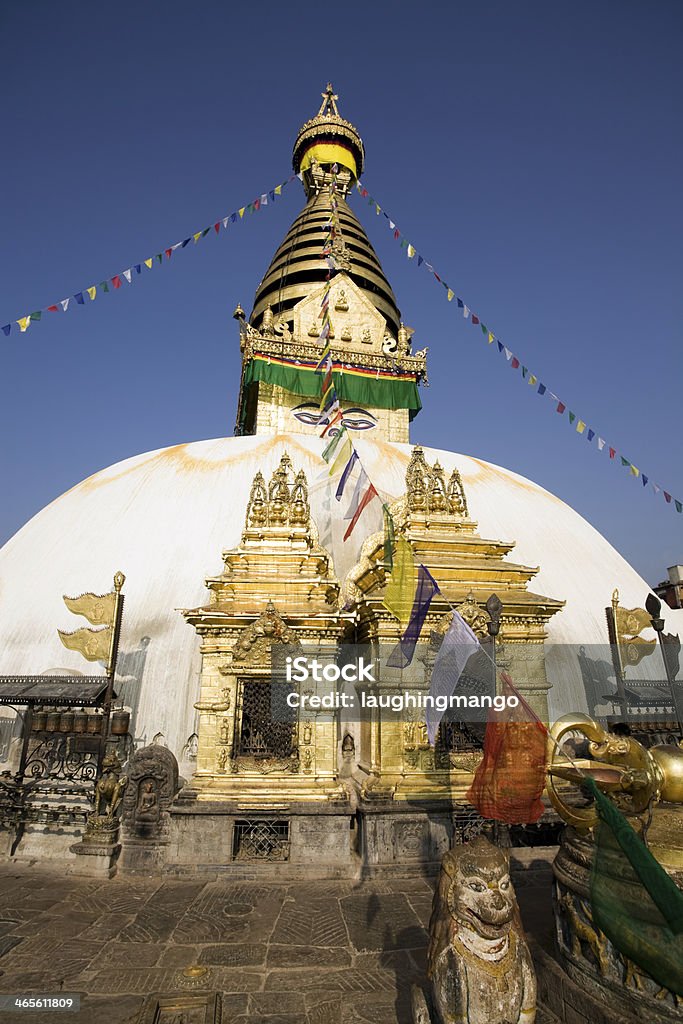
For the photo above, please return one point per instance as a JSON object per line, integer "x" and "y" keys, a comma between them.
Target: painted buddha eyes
{"x": 355, "y": 418}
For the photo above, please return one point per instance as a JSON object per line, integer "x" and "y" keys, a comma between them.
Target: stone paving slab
{"x": 296, "y": 953}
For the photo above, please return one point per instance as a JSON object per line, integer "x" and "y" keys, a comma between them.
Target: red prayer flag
{"x": 116, "y": 281}
{"x": 168, "y": 253}
{"x": 612, "y": 452}
{"x": 509, "y": 781}
{"x": 667, "y": 496}
{"x": 217, "y": 226}
{"x": 365, "y": 500}
{"x": 514, "y": 363}
{"x": 475, "y": 319}
{"x": 53, "y": 309}
{"x": 561, "y": 407}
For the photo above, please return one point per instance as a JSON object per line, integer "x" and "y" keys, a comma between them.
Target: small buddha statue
{"x": 147, "y": 808}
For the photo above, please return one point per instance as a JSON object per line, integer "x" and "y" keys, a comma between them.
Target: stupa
{"x": 234, "y": 547}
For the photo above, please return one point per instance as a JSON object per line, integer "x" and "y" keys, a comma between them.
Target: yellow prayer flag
{"x": 242, "y": 212}
{"x": 93, "y": 644}
{"x": 411, "y": 251}
{"x": 148, "y": 263}
{"x": 532, "y": 379}
{"x": 450, "y": 294}
{"x": 23, "y": 323}
{"x": 580, "y": 427}
{"x": 278, "y": 190}
{"x": 492, "y": 337}
{"x": 92, "y": 292}
{"x": 378, "y": 209}
{"x": 634, "y": 471}
{"x": 197, "y": 235}
{"x": 399, "y": 593}
{"x": 97, "y": 608}
{"x": 342, "y": 457}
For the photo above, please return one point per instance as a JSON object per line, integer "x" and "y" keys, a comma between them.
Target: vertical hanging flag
{"x": 346, "y": 474}
{"x": 369, "y": 495}
{"x": 403, "y": 652}
{"x": 331, "y": 448}
{"x": 343, "y": 454}
{"x": 457, "y": 647}
{"x": 399, "y": 593}
{"x": 508, "y": 783}
{"x": 389, "y": 539}
{"x": 361, "y": 483}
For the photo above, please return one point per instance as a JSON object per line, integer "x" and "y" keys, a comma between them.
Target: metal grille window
{"x": 268, "y": 724}
{"x": 261, "y": 840}
{"x": 460, "y": 737}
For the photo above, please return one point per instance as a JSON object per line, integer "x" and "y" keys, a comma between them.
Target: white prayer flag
{"x": 457, "y": 647}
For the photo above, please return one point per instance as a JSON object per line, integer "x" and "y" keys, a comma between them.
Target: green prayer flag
{"x": 679, "y": 505}
{"x": 331, "y": 448}
{"x": 572, "y": 417}
{"x": 624, "y": 461}
{"x": 634, "y": 901}
{"x": 104, "y": 286}
{"x": 36, "y": 316}
{"x": 389, "y": 540}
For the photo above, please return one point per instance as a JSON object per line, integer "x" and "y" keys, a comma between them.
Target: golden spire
{"x": 328, "y": 105}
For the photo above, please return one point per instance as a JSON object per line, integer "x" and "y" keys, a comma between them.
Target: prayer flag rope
{"x": 116, "y": 282}
{"x": 515, "y": 363}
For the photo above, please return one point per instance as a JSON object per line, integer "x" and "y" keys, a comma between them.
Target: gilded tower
{"x": 376, "y": 369}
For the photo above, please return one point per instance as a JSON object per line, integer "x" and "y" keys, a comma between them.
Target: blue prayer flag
{"x": 403, "y": 652}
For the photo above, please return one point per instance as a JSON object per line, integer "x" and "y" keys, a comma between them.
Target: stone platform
{"x": 320, "y": 952}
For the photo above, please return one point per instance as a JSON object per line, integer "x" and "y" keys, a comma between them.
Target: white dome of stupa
{"x": 165, "y": 517}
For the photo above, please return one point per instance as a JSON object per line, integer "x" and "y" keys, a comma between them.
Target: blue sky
{"x": 531, "y": 152}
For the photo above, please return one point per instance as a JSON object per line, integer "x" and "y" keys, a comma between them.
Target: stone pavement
{"x": 291, "y": 953}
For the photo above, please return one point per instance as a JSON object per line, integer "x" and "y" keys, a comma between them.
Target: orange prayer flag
{"x": 509, "y": 781}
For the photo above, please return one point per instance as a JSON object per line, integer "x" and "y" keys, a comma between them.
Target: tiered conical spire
{"x": 324, "y": 142}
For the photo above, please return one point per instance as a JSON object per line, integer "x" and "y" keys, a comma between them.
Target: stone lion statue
{"x": 478, "y": 962}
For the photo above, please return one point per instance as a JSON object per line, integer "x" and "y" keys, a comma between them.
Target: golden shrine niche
{"x": 277, "y": 591}
{"x": 395, "y": 754}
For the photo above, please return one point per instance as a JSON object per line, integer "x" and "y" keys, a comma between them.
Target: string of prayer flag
{"x": 24, "y": 322}
{"x": 531, "y": 379}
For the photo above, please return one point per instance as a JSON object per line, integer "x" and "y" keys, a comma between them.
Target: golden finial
{"x": 119, "y": 580}
{"x": 329, "y": 103}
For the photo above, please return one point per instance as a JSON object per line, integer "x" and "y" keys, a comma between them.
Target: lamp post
{"x": 494, "y": 607}
{"x": 654, "y": 606}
